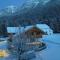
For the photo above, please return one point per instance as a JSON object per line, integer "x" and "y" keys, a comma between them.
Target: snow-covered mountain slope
{"x": 41, "y": 7}
{"x": 11, "y": 9}
{"x": 33, "y": 7}
{"x": 8, "y": 11}
{"x": 34, "y": 3}
{"x": 29, "y": 5}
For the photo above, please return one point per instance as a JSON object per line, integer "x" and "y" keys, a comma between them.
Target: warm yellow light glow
{"x": 3, "y": 53}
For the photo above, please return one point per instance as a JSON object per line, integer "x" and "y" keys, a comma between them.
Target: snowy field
{"x": 53, "y": 38}
{"x": 52, "y": 52}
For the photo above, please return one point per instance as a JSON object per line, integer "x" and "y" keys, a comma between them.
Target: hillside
{"x": 33, "y": 12}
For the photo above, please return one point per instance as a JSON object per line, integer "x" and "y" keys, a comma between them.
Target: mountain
{"x": 36, "y": 6}
{"x": 34, "y": 11}
{"x": 43, "y": 7}
{"x": 8, "y": 11}
{"x": 30, "y": 5}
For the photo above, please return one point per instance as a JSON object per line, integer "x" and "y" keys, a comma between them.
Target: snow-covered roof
{"x": 42, "y": 27}
{"x": 12, "y": 29}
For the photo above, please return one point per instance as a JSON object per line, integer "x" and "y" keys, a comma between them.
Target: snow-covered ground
{"x": 52, "y": 52}
{"x": 54, "y": 38}
{"x": 3, "y": 45}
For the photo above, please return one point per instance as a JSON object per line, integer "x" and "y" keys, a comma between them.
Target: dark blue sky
{"x": 5, "y": 3}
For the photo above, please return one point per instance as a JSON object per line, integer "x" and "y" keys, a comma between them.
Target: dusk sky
{"x": 5, "y": 3}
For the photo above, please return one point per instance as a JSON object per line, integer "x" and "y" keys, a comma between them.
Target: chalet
{"x": 34, "y": 30}
{"x": 38, "y": 30}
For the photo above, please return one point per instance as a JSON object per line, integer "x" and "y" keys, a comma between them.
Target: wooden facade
{"x": 35, "y": 32}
